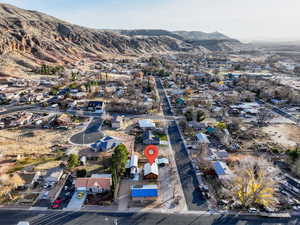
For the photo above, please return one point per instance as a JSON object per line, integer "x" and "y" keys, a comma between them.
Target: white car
{"x": 23, "y": 223}
{"x": 45, "y": 195}
{"x": 252, "y": 210}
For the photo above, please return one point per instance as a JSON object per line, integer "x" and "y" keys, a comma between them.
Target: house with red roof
{"x": 97, "y": 183}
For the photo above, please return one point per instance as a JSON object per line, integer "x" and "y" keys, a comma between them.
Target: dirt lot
{"x": 287, "y": 135}
{"x": 15, "y": 142}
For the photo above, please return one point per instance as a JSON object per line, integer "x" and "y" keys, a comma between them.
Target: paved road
{"x": 91, "y": 134}
{"x": 279, "y": 111}
{"x": 18, "y": 109}
{"x": 193, "y": 197}
{"x": 12, "y": 217}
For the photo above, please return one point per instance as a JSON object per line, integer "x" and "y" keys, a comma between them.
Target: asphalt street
{"x": 193, "y": 197}
{"x": 12, "y": 217}
{"x": 18, "y": 109}
{"x": 91, "y": 134}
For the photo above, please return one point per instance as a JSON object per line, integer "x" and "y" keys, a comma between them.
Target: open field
{"x": 18, "y": 142}
{"x": 287, "y": 135}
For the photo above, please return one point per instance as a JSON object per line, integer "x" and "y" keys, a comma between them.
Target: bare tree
{"x": 253, "y": 182}
{"x": 262, "y": 116}
{"x": 8, "y": 183}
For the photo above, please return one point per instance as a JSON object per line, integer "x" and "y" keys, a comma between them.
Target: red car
{"x": 56, "y": 204}
{"x": 58, "y": 201}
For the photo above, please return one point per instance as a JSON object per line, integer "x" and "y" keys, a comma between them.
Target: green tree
{"x": 294, "y": 154}
{"x": 200, "y": 115}
{"x": 73, "y": 161}
{"x": 296, "y": 167}
{"x": 221, "y": 125}
{"x": 81, "y": 173}
{"x": 54, "y": 91}
{"x": 119, "y": 160}
{"x": 189, "y": 115}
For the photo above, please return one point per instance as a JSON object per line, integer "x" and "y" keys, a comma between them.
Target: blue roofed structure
{"x": 202, "y": 138}
{"x": 144, "y": 192}
{"x": 221, "y": 169}
{"x": 105, "y": 144}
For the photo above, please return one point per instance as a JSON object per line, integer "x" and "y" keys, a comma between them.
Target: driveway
{"x": 90, "y": 135}
{"x": 124, "y": 195}
{"x": 75, "y": 202}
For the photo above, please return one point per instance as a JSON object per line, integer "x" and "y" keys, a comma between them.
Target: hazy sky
{"x": 242, "y": 19}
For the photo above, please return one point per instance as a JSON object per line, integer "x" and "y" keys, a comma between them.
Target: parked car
{"x": 252, "y": 210}
{"x": 56, "y": 204}
{"x": 58, "y": 201}
{"x": 23, "y": 223}
{"x": 45, "y": 195}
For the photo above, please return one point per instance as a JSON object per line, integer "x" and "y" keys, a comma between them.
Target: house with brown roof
{"x": 97, "y": 183}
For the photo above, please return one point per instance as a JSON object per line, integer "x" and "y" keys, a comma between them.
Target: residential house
{"x": 201, "y": 138}
{"x": 231, "y": 97}
{"x": 78, "y": 95}
{"x": 222, "y": 154}
{"x": 96, "y": 106}
{"x": 105, "y": 144}
{"x": 97, "y": 183}
{"x": 202, "y": 141}
{"x": 63, "y": 120}
{"x": 221, "y": 169}
{"x": 223, "y": 136}
{"x": 151, "y": 171}
{"x": 117, "y": 122}
{"x": 132, "y": 165}
{"x": 146, "y": 124}
{"x": 196, "y": 125}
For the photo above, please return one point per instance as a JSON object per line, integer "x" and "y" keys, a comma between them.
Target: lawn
{"x": 162, "y": 137}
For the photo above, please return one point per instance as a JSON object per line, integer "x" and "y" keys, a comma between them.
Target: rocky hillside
{"x": 150, "y": 32}
{"x": 29, "y": 38}
{"x": 198, "y": 35}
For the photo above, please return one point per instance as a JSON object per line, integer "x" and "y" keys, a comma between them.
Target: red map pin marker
{"x": 151, "y": 152}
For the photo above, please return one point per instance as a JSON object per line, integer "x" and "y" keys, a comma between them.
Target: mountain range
{"x": 30, "y": 38}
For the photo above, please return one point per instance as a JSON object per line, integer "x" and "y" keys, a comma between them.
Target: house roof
{"x": 104, "y": 175}
{"x": 133, "y": 161}
{"x": 144, "y": 191}
{"x": 220, "y": 168}
{"x": 105, "y": 144}
{"x": 64, "y": 118}
{"x": 90, "y": 182}
{"x": 148, "y": 169}
{"x": 222, "y": 154}
{"x": 202, "y": 138}
{"x": 146, "y": 123}
{"x": 118, "y": 119}
{"x": 162, "y": 161}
